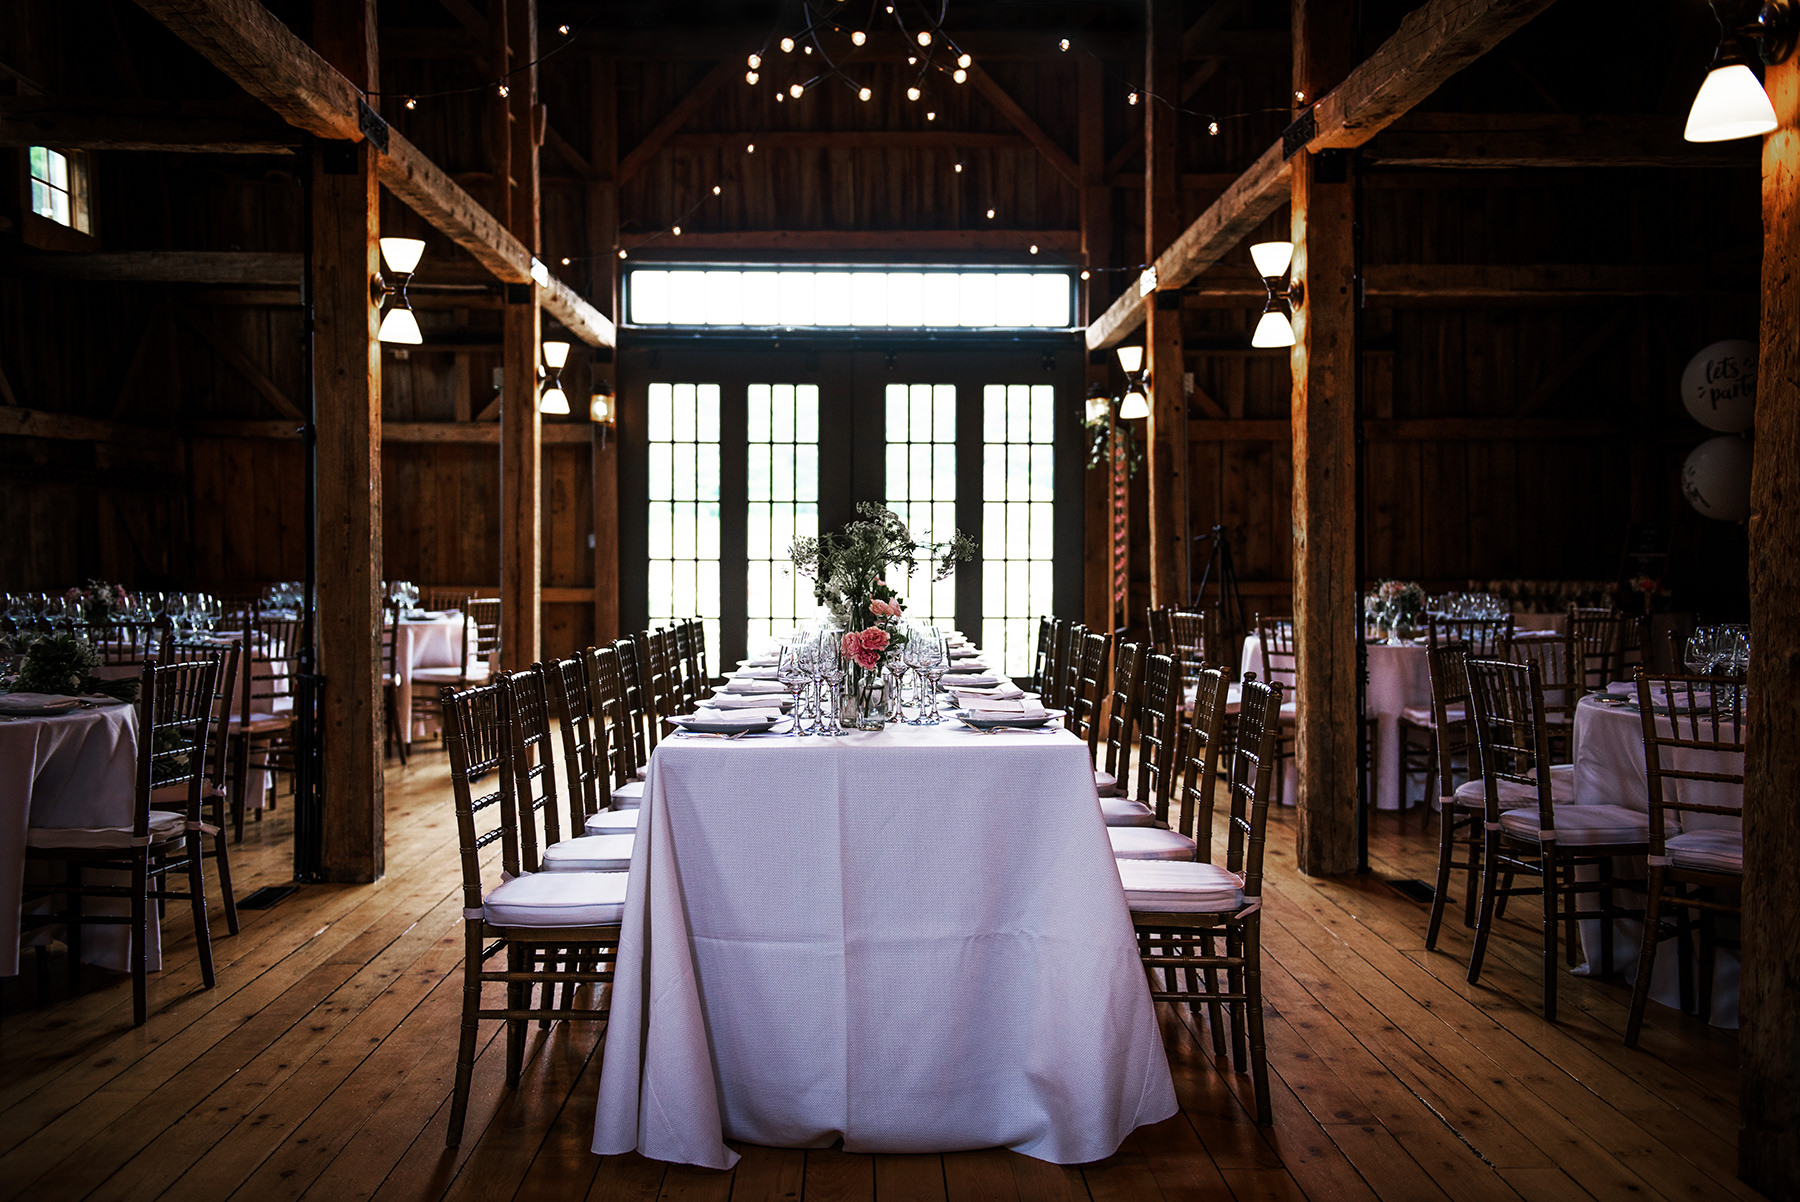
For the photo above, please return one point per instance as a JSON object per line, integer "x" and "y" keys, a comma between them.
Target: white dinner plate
{"x": 992, "y": 721}
{"x": 706, "y": 724}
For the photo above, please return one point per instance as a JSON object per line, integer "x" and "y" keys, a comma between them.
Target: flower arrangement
{"x": 849, "y": 568}
{"x": 98, "y": 601}
{"x": 64, "y": 664}
{"x": 1400, "y": 602}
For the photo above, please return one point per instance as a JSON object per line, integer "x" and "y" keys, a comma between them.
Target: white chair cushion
{"x": 1474, "y": 793}
{"x": 1562, "y": 774}
{"x": 163, "y": 825}
{"x": 612, "y": 822}
{"x": 1710, "y": 849}
{"x": 558, "y": 899}
{"x": 1149, "y": 843}
{"x": 1106, "y": 783}
{"x": 1185, "y": 888}
{"x": 641, "y": 774}
{"x": 628, "y": 796}
{"x": 1119, "y": 811}
{"x": 590, "y": 853}
{"x": 1420, "y": 715}
{"x": 1582, "y": 826}
{"x": 1234, "y": 698}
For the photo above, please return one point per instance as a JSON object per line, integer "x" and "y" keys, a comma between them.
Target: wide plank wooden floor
{"x": 321, "y": 1066}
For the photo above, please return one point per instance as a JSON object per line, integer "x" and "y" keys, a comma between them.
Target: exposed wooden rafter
{"x": 1497, "y": 140}
{"x": 1022, "y": 121}
{"x": 265, "y": 58}
{"x": 108, "y": 123}
{"x": 676, "y": 117}
{"x": 1434, "y": 42}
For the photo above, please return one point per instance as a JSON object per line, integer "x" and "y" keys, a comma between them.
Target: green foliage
{"x": 848, "y": 567}
{"x": 64, "y": 665}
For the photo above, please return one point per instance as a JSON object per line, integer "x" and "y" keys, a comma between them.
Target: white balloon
{"x": 1718, "y": 386}
{"x": 1716, "y": 478}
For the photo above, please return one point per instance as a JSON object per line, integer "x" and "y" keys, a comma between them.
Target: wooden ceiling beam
{"x": 676, "y": 117}
{"x": 107, "y": 123}
{"x": 1022, "y": 121}
{"x": 266, "y": 59}
{"x": 1433, "y": 42}
{"x": 1230, "y": 285}
{"x": 819, "y": 241}
{"x": 241, "y": 268}
{"x": 1499, "y": 140}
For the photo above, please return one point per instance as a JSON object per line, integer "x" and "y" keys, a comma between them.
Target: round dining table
{"x": 75, "y": 769}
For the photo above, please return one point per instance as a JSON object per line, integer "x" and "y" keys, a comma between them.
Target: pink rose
{"x": 884, "y": 609}
{"x": 851, "y": 642}
{"x": 875, "y": 639}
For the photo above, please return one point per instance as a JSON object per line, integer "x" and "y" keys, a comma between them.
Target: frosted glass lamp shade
{"x": 554, "y": 400}
{"x": 1131, "y": 358}
{"x": 555, "y": 354}
{"x": 402, "y": 254}
{"x": 1135, "y": 405}
{"x": 400, "y": 326}
{"x": 1730, "y": 104}
{"x": 1273, "y": 330}
{"x": 1272, "y": 258}
{"x": 600, "y": 408}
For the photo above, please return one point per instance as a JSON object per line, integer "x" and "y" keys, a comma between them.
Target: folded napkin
{"x": 737, "y": 717}
{"x": 967, "y": 665}
{"x": 37, "y": 702}
{"x": 960, "y": 680}
{"x": 996, "y": 707}
{"x": 998, "y": 690}
{"x": 760, "y": 661}
{"x": 753, "y": 674}
{"x": 739, "y": 701}
{"x": 749, "y": 685}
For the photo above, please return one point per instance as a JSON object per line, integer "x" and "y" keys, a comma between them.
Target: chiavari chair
{"x": 1121, "y": 725}
{"x": 1090, "y": 690}
{"x": 1047, "y": 682}
{"x": 1694, "y": 729}
{"x": 1280, "y": 666}
{"x": 1046, "y": 639}
{"x": 262, "y": 723}
{"x": 1484, "y": 638}
{"x": 217, "y": 789}
{"x": 554, "y": 927}
{"x": 175, "y": 722}
{"x": 526, "y": 699}
{"x": 1162, "y": 633}
{"x": 1183, "y": 910}
{"x": 1462, "y": 810}
{"x": 392, "y": 735}
{"x": 1159, "y": 747}
{"x": 1527, "y": 834}
{"x": 1068, "y": 668}
{"x": 614, "y": 767}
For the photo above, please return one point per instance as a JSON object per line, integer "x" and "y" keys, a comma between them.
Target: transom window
{"x": 848, "y": 299}
{"x": 56, "y": 187}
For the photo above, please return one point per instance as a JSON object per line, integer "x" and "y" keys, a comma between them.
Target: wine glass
{"x": 912, "y": 656}
{"x": 795, "y": 670}
{"x": 934, "y": 661}
{"x": 832, "y": 669}
{"x": 1698, "y": 655}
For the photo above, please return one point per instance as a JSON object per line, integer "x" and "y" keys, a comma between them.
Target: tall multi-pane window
{"x": 1018, "y": 516}
{"x": 683, "y": 480}
{"x": 782, "y": 491}
{"x": 921, "y": 487}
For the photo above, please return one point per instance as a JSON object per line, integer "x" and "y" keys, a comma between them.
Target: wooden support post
{"x": 603, "y": 290}
{"x": 1324, "y": 506}
{"x": 347, "y": 382}
{"x": 521, "y": 427}
{"x": 1769, "y": 1036}
{"x": 1162, "y": 347}
{"x": 1096, "y": 256}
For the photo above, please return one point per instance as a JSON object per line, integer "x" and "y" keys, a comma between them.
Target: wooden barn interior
{"x": 1504, "y": 256}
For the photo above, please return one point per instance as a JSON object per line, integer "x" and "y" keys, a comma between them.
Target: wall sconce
{"x": 1099, "y": 404}
{"x": 401, "y": 256}
{"x": 554, "y": 399}
{"x": 1135, "y": 404}
{"x": 603, "y": 409}
{"x": 1272, "y": 260}
{"x": 1731, "y": 102}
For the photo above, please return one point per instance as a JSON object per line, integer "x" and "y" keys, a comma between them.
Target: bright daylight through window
{"x": 849, "y": 299}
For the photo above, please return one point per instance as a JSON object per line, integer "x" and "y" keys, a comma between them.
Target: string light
{"x": 750, "y": 147}
{"x": 787, "y": 45}
{"x": 1063, "y": 45}
{"x": 676, "y": 230}
{"x": 565, "y": 260}
{"x": 960, "y": 75}
{"x": 1299, "y": 97}
{"x": 499, "y": 84}
{"x": 1212, "y": 127}
{"x": 990, "y": 214}
{"x": 931, "y": 116}
{"x": 863, "y": 94}
{"x": 1086, "y": 274}
{"x": 505, "y": 91}
{"x": 858, "y": 38}
{"x": 715, "y": 189}
{"x": 913, "y": 93}
{"x": 797, "y": 90}
{"x": 924, "y": 37}
{"x": 622, "y": 253}
{"x": 1131, "y": 98}
{"x": 1034, "y": 248}
{"x": 412, "y": 102}
{"x": 754, "y": 61}
{"x": 750, "y": 77}
{"x": 563, "y": 29}
{"x": 807, "y": 49}
{"x": 959, "y": 169}
{"x": 964, "y": 61}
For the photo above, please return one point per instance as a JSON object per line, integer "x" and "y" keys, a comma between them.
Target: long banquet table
{"x": 913, "y": 939}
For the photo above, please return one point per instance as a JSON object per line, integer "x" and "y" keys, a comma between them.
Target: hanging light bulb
{"x": 990, "y": 214}
{"x": 796, "y": 90}
{"x": 807, "y": 49}
{"x": 863, "y": 94}
{"x": 622, "y": 253}
{"x": 750, "y": 77}
{"x": 924, "y": 37}
{"x": 1132, "y": 98}
{"x": 1034, "y": 248}
{"x": 715, "y": 189}
{"x": 563, "y": 29}
{"x": 411, "y": 103}
{"x": 963, "y": 60}
{"x": 750, "y": 147}
{"x": 565, "y": 260}
{"x": 1212, "y": 127}
{"x": 912, "y": 93}
{"x": 959, "y": 169}
{"x": 1085, "y": 274}
{"x": 912, "y": 60}
{"x": 676, "y": 230}
{"x": 931, "y": 116}
{"x": 858, "y": 38}
{"x": 1063, "y": 45}
{"x": 754, "y": 61}
{"x": 959, "y": 75}
{"x": 787, "y": 45}
{"x": 505, "y": 91}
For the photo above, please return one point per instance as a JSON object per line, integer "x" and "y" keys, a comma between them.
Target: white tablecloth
{"x": 428, "y": 643}
{"x": 914, "y": 939}
{"x": 68, "y": 770}
{"x": 1609, "y": 770}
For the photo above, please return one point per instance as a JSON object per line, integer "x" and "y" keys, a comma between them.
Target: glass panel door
{"x": 782, "y": 493}
{"x": 1018, "y": 519}
{"x": 682, "y": 430}
{"x": 921, "y": 487}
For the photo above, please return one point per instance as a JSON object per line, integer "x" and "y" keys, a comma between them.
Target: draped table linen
{"x": 67, "y": 770}
{"x": 914, "y": 939}
{"x": 424, "y": 643}
{"x": 1610, "y": 770}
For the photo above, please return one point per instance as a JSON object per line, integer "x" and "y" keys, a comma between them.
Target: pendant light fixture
{"x": 1731, "y": 102}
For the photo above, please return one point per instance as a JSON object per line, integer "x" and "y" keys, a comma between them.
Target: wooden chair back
{"x": 1068, "y": 667}
{"x": 1280, "y": 660}
{"x": 1507, "y": 700}
{"x": 1053, "y": 661}
{"x": 1200, "y": 760}
{"x": 218, "y": 771}
{"x": 1090, "y": 690}
{"x": 614, "y": 752}
{"x": 1121, "y": 710}
{"x": 631, "y": 678}
{"x": 525, "y": 710}
{"x": 1485, "y": 638}
{"x": 698, "y": 668}
{"x": 1596, "y": 645}
{"x": 1253, "y": 760}
{"x": 1046, "y": 639}
{"x": 390, "y": 643}
{"x": 1162, "y": 633}
{"x": 1193, "y": 640}
{"x": 270, "y": 659}
{"x": 476, "y": 737}
{"x": 1559, "y": 685}
{"x": 1450, "y": 714}
{"x": 175, "y": 723}
{"x": 570, "y": 705}
{"x": 1693, "y": 738}
{"x": 1159, "y": 734}
{"x": 443, "y": 600}
{"x": 481, "y": 637}
{"x": 123, "y": 643}
{"x": 687, "y": 693}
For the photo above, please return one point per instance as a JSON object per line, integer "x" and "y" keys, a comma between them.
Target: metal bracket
{"x": 1295, "y": 137}
{"x": 373, "y": 127}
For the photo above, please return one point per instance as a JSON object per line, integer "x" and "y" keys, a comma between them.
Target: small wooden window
{"x": 59, "y": 190}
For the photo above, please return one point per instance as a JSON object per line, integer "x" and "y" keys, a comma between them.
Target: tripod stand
{"x": 1228, "y": 607}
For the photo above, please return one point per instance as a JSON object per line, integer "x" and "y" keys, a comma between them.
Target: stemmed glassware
{"x": 831, "y": 671}
{"x": 913, "y": 657}
{"x": 795, "y": 670}
{"x": 934, "y": 661}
